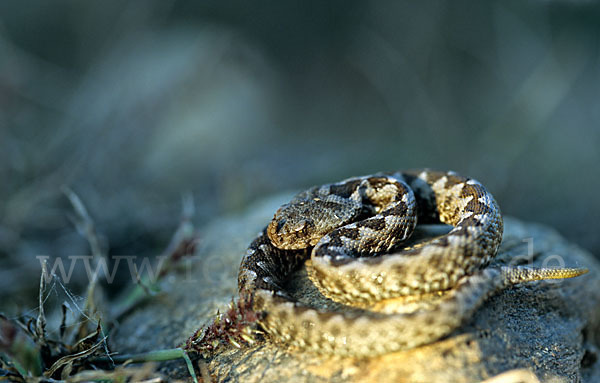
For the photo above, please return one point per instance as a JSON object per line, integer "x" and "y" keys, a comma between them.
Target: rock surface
{"x": 548, "y": 328}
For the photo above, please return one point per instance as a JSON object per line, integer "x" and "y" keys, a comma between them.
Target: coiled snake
{"x": 353, "y": 233}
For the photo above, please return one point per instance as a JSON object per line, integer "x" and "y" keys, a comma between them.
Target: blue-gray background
{"x": 133, "y": 104}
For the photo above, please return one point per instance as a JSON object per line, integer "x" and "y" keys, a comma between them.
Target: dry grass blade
{"x": 144, "y": 373}
{"x": 84, "y": 342}
{"x": 151, "y": 356}
{"x": 40, "y": 322}
{"x": 69, "y": 359}
{"x": 84, "y": 222}
{"x": 85, "y": 225}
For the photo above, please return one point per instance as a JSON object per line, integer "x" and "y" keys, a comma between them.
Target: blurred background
{"x": 134, "y": 104}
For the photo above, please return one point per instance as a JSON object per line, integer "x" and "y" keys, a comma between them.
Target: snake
{"x": 352, "y": 236}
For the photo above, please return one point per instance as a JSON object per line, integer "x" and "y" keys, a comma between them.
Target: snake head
{"x": 312, "y": 214}
{"x": 291, "y": 231}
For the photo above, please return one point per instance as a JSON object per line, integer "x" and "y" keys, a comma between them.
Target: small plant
{"x": 237, "y": 326}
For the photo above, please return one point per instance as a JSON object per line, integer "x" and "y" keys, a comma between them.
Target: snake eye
{"x": 301, "y": 226}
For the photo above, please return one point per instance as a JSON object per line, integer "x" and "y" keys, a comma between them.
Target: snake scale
{"x": 353, "y": 233}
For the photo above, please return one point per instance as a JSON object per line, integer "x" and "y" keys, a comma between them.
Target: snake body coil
{"x": 353, "y": 232}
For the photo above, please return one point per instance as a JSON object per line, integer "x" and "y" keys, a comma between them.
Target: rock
{"x": 548, "y": 328}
